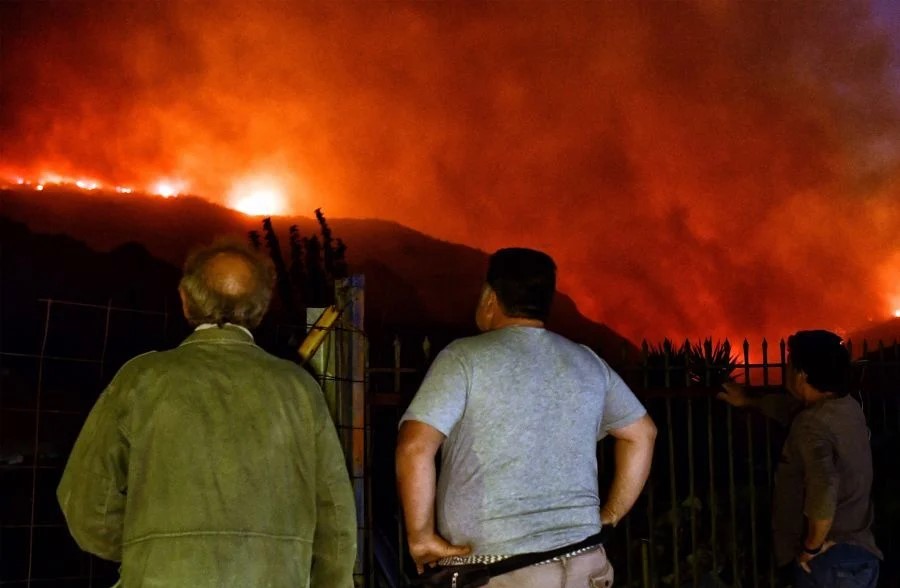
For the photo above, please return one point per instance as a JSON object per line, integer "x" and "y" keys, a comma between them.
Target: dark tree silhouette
{"x": 254, "y": 239}
{"x": 340, "y": 260}
{"x": 317, "y": 281}
{"x": 698, "y": 364}
{"x": 327, "y": 245}
{"x": 297, "y": 271}
{"x": 315, "y": 264}
{"x": 283, "y": 281}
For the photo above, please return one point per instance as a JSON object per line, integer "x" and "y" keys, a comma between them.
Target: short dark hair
{"x": 822, "y": 356}
{"x": 524, "y": 281}
{"x": 207, "y": 303}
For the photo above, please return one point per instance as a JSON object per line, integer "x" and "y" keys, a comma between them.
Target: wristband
{"x": 815, "y": 551}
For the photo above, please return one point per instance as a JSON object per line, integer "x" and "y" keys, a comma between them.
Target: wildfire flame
{"x": 254, "y": 195}
{"x": 167, "y": 188}
{"x": 257, "y": 197}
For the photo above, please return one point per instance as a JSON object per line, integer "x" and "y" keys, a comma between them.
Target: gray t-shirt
{"x": 522, "y": 409}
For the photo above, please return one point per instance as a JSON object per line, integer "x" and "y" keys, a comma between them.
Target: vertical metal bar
{"x": 752, "y": 484}
{"x": 695, "y": 570}
{"x": 37, "y": 429}
{"x": 687, "y": 363}
{"x": 895, "y": 419}
{"x": 864, "y": 396}
{"x": 369, "y": 503}
{"x": 102, "y": 377}
{"x": 350, "y": 384}
{"x": 731, "y": 492}
{"x": 881, "y": 395}
{"x": 356, "y": 286}
{"x": 105, "y": 338}
{"x": 629, "y": 559}
{"x": 673, "y": 494}
{"x": 746, "y": 347}
{"x": 401, "y": 535}
{"x": 768, "y": 447}
{"x": 713, "y": 503}
{"x": 645, "y": 563}
{"x": 397, "y": 368}
{"x": 667, "y": 365}
{"x": 651, "y": 526}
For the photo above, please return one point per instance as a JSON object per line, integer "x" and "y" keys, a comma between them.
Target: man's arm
{"x": 417, "y": 446}
{"x": 92, "y": 490}
{"x": 334, "y": 542}
{"x": 817, "y": 533}
{"x": 778, "y": 407}
{"x": 820, "y": 484}
{"x": 633, "y": 456}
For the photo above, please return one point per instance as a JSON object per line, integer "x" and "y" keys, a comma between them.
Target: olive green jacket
{"x": 213, "y": 464}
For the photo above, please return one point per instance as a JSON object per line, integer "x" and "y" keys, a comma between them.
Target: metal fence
{"x": 50, "y": 375}
{"x": 703, "y": 518}
{"x": 55, "y": 361}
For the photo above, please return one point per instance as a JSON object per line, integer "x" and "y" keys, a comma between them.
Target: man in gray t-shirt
{"x": 518, "y": 411}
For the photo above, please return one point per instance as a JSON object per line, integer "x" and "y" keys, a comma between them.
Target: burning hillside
{"x": 695, "y": 168}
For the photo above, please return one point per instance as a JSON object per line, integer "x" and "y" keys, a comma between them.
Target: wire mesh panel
{"x": 46, "y": 395}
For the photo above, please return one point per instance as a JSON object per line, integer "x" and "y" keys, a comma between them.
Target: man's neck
{"x": 814, "y": 397}
{"x": 509, "y": 321}
{"x": 205, "y": 326}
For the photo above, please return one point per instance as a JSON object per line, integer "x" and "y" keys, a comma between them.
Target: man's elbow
{"x": 417, "y": 441}
{"x": 647, "y": 430}
{"x": 412, "y": 450}
{"x": 90, "y": 541}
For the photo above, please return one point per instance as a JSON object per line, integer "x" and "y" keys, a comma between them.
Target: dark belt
{"x": 473, "y": 575}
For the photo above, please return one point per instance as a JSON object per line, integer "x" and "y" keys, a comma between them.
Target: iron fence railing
{"x": 703, "y": 519}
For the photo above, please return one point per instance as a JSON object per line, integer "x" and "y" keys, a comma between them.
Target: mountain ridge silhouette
{"x": 414, "y": 282}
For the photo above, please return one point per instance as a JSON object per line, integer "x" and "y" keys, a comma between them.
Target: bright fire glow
{"x": 167, "y": 188}
{"x": 87, "y": 185}
{"x": 257, "y": 197}
{"x": 897, "y": 313}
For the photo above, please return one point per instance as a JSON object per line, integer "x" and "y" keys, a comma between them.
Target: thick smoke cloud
{"x": 697, "y": 169}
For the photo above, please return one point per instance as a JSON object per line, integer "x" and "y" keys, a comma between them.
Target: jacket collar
{"x": 227, "y": 334}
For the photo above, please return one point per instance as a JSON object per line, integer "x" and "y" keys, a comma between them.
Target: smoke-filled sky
{"x": 696, "y": 168}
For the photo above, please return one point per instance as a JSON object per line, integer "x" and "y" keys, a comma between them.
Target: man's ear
{"x": 184, "y": 303}
{"x": 492, "y": 298}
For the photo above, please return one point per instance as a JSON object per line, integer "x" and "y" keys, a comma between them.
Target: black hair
{"x": 823, "y": 358}
{"x": 524, "y": 281}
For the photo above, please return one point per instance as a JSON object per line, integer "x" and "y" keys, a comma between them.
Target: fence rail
{"x": 701, "y": 521}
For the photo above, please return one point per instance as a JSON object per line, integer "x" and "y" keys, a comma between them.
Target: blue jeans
{"x": 842, "y": 566}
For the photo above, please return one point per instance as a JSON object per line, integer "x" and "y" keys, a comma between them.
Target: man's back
{"x": 522, "y": 409}
{"x": 229, "y": 454}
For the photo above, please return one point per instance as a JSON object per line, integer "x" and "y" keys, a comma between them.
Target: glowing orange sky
{"x": 695, "y": 168}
